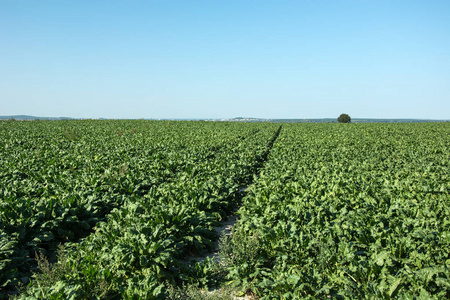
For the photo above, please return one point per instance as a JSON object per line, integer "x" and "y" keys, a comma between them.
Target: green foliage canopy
{"x": 344, "y": 118}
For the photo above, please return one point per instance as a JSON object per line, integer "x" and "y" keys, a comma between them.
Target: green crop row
{"x": 142, "y": 196}
{"x": 348, "y": 211}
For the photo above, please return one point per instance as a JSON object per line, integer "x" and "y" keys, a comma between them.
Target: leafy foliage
{"x": 131, "y": 200}
{"x": 333, "y": 212}
{"x": 344, "y": 118}
{"x": 352, "y": 212}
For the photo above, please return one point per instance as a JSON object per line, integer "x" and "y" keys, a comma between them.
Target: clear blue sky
{"x": 227, "y": 58}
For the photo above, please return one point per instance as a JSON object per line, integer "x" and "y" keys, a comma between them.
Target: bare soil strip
{"x": 225, "y": 228}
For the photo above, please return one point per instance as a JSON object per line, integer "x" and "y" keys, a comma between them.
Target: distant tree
{"x": 344, "y": 118}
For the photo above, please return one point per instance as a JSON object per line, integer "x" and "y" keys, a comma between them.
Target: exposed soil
{"x": 224, "y": 228}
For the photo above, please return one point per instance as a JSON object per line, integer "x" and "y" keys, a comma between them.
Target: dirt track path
{"x": 225, "y": 228}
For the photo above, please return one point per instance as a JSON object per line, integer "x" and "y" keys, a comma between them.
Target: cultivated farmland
{"x": 114, "y": 209}
{"x": 359, "y": 211}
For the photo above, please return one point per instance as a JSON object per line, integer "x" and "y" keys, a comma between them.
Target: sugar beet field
{"x": 116, "y": 209}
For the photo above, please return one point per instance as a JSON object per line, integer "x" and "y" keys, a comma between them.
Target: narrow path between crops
{"x": 226, "y": 226}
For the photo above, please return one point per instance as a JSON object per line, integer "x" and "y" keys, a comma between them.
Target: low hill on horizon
{"x": 30, "y": 118}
